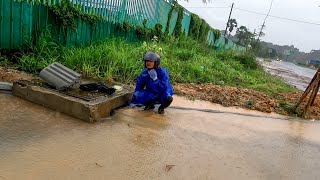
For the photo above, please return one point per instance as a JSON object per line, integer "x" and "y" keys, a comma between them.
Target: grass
{"x": 249, "y": 104}
{"x": 7, "y": 63}
{"x": 4, "y": 62}
{"x": 289, "y": 108}
{"x": 186, "y": 60}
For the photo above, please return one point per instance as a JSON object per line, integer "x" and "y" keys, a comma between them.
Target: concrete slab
{"x": 91, "y": 107}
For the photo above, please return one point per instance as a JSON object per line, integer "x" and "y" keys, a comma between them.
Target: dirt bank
{"x": 292, "y": 98}
{"x": 228, "y": 96}
{"x": 246, "y": 98}
{"x": 11, "y": 75}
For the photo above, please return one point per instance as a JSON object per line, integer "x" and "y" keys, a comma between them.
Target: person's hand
{"x": 132, "y": 105}
{"x": 153, "y": 74}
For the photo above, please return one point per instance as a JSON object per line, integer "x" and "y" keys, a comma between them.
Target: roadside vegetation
{"x": 188, "y": 61}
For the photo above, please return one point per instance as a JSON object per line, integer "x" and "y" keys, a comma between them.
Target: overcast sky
{"x": 303, "y": 36}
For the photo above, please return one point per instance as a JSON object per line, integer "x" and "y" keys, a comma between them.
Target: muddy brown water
{"x": 38, "y": 143}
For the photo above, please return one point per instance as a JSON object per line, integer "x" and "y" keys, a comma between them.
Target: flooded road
{"x": 295, "y": 75}
{"x": 225, "y": 143}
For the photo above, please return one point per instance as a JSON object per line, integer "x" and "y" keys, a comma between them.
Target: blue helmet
{"x": 151, "y": 56}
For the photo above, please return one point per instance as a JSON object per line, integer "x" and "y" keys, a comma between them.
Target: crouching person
{"x": 153, "y": 87}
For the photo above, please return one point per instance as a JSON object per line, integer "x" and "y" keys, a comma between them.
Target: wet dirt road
{"x": 38, "y": 143}
{"x": 295, "y": 75}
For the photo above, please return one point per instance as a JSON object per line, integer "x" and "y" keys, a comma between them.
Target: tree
{"x": 272, "y": 53}
{"x": 244, "y": 36}
{"x": 232, "y": 23}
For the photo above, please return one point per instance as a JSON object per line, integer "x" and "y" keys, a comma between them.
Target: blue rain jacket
{"x": 154, "y": 92}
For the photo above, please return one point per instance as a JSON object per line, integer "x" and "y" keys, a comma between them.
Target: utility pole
{"x": 263, "y": 24}
{"x": 228, "y": 20}
{"x": 255, "y": 44}
{"x": 260, "y": 33}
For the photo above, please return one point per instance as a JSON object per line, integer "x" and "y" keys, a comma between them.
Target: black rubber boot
{"x": 165, "y": 104}
{"x": 149, "y": 105}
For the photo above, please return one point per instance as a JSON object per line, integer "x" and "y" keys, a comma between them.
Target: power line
{"x": 262, "y": 14}
{"x": 295, "y": 20}
{"x": 208, "y": 7}
{"x": 278, "y": 17}
{"x": 250, "y": 11}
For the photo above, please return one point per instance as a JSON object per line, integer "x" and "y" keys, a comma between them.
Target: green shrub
{"x": 247, "y": 59}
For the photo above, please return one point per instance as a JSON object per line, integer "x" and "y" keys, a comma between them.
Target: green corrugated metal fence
{"x": 20, "y": 20}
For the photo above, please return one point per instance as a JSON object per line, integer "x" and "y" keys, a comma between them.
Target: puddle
{"x": 38, "y": 143}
